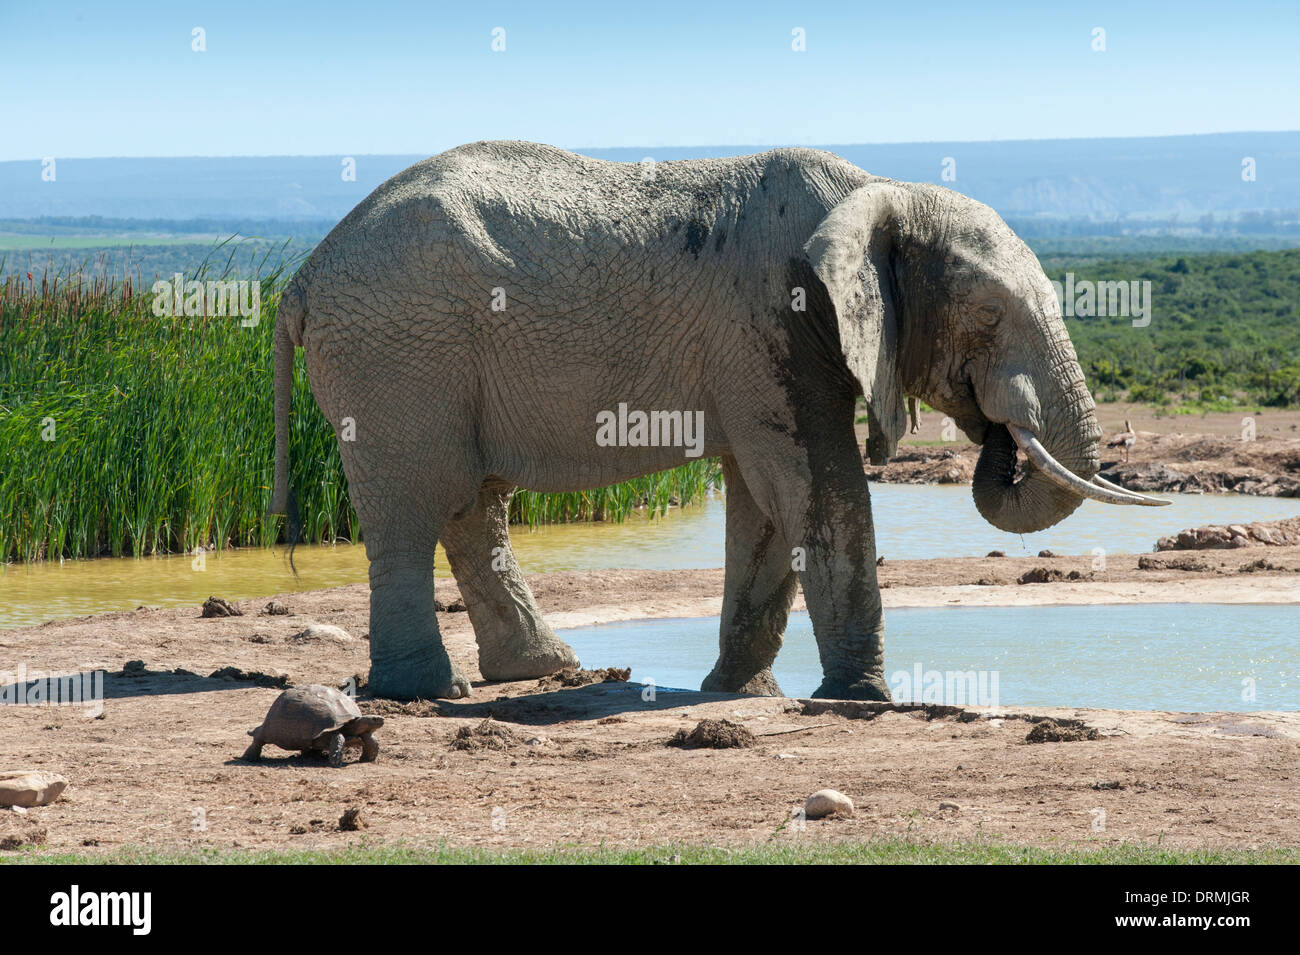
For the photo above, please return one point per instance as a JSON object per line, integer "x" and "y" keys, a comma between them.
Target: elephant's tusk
{"x": 1100, "y": 481}
{"x": 1063, "y": 477}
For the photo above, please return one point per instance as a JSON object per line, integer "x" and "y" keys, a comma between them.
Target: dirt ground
{"x": 589, "y": 765}
{"x": 1172, "y": 453}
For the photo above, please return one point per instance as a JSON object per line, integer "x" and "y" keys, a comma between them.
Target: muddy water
{"x": 1189, "y": 657}
{"x": 685, "y": 538}
{"x": 912, "y": 522}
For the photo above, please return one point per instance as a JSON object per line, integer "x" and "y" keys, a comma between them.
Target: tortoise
{"x": 316, "y": 718}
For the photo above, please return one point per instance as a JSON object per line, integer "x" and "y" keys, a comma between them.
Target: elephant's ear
{"x": 851, "y": 253}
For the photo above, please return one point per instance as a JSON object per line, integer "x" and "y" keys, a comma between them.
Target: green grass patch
{"x": 126, "y": 433}
{"x": 881, "y": 852}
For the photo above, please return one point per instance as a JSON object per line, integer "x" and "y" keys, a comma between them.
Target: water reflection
{"x": 912, "y": 521}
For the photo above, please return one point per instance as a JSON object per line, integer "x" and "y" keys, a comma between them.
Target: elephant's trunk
{"x": 1033, "y": 502}
{"x": 1062, "y": 461}
{"x": 1028, "y": 499}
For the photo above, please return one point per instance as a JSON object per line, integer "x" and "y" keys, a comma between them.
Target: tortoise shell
{"x": 302, "y": 717}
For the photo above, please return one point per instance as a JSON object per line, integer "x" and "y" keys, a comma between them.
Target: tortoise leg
{"x": 369, "y": 747}
{"x": 336, "y": 749}
{"x": 254, "y": 751}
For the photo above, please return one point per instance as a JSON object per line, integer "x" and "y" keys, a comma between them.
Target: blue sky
{"x": 90, "y": 79}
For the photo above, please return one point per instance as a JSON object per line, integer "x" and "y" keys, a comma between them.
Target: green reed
{"x": 122, "y": 432}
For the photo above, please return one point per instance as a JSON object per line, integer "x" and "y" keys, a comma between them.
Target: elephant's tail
{"x": 288, "y": 333}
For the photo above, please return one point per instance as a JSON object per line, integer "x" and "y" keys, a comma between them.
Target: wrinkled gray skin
{"x": 671, "y": 291}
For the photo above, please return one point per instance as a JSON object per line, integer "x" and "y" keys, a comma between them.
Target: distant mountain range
{"x": 1174, "y": 182}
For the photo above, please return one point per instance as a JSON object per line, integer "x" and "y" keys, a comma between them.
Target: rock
{"x": 489, "y": 734}
{"x": 216, "y": 607}
{"x": 352, "y": 820}
{"x": 278, "y": 680}
{"x": 276, "y": 609}
{"x": 1283, "y": 533}
{"x": 1047, "y": 553}
{"x": 996, "y": 553}
{"x": 1172, "y": 563}
{"x": 827, "y": 802}
{"x": 133, "y": 668}
{"x": 1258, "y": 565}
{"x": 576, "y": 676}
{"x": 27, "y": 788}
{"x": 1039, "y": 575}
{"x": 1147, "y": 476}
{"x": 714, "y": 734}
{"x": 324, "y": 631}
{"x": 457, "y": 606}
{"x": 947, "y": 804}
{"x": 1051, "y": 731}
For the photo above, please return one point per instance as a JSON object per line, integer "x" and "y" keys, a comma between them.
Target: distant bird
{"x": 1125, "y": 439}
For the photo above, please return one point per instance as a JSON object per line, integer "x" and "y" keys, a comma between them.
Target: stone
{"x": 949, "y": 804}
{"x": 827, "y": 802}
{"x": 27, "y": 788}
{"x": 218, "y": 607}
{"x": 324, "y": 631}
{"x": 352, "y": 820}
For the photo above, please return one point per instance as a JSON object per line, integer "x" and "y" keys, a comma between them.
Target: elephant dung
{"x": 27, "y": 788}
{"x": 324, "y": 631}
{"x": 827, "y": 802}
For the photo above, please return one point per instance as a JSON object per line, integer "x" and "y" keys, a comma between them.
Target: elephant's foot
{"x": 762, "y": 683}
{"x": 432, "y": 679}
{"x": 871, "y": 687}
{"x": 525, "y": 657}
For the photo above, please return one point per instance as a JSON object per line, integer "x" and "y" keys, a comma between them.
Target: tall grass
{"x": 126, "y": 433}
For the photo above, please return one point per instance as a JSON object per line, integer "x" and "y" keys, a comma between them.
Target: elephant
{"x": 480, "y": 318}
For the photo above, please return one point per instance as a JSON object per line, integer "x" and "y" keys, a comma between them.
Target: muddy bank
{"x": 591, "y": 764}
{"x": 1268, "y": 466}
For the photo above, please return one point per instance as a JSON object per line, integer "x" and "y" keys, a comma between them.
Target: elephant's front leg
{"x": 514, "y": 642}
{"x": 759, "y": 589}
{"x": 407, "y": 658}
{"x": 839, "y": 579}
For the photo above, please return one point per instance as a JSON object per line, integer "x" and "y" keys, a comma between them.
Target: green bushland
{"x": 876, "y": 852}
{"x": 1224, "y": 332}
{"x": 161, "y": 433}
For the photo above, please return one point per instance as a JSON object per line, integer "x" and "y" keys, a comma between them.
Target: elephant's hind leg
{"x": 759, "y": 589}
{"x": 514, "y": 642}
{"x": 407, "y": 658}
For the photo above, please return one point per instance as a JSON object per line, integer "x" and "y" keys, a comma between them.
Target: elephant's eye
{"x": 989, "y": 312}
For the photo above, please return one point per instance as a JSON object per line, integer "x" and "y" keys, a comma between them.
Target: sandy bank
{"x": 589, "y": 765}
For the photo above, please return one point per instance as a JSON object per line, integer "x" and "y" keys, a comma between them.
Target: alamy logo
{"x": 1086, "y": 299}
{"x": 103, "y": 908}
{"x": 84, "y": 688}
{"x": 946, "y": 687}
{"x": 651, "y": 429}
{"x": 178, "y": 297}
